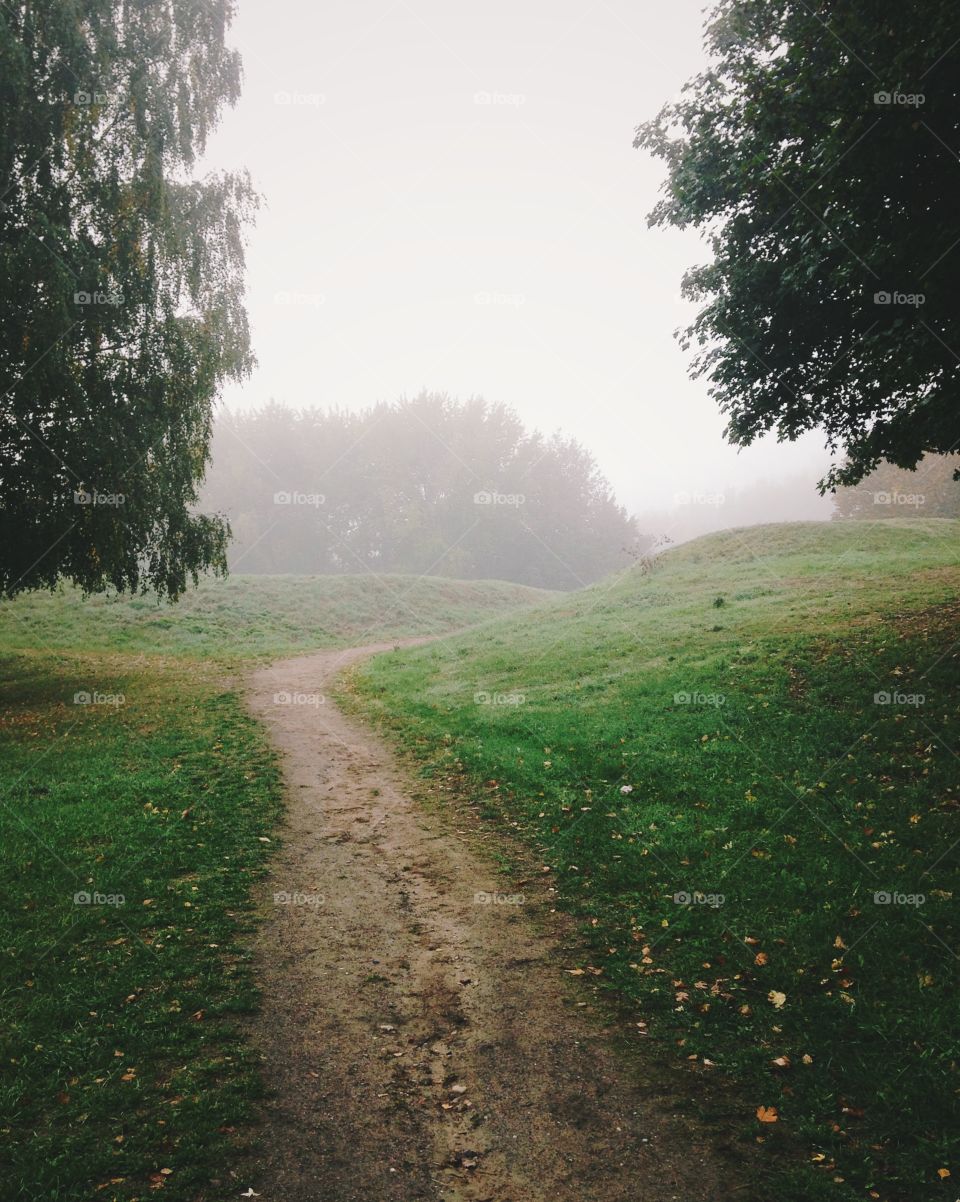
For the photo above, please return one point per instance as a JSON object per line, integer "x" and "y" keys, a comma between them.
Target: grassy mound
{"x": 135, "y": 811}
{"x": 258, "y": 616}
{"x": 740, "y": 763}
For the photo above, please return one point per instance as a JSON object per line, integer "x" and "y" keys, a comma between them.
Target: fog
{"x": 452, "y": 203}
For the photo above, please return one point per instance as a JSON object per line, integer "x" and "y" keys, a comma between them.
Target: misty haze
{"x": 479, "y": 601}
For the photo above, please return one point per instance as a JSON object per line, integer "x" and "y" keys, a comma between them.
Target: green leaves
{"x": 819, "y": 152}
{"x": 124, "y": 313}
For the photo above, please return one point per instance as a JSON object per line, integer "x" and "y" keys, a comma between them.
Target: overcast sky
{"x": 452, "y": 202}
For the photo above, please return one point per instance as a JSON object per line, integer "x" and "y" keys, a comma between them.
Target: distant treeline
{"x": 427, "y": 486}
{"x": 928, "y": 491}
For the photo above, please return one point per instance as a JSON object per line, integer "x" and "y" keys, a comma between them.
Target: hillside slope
{"x": 259, "y": 615}
{"x": 740, "y": 766}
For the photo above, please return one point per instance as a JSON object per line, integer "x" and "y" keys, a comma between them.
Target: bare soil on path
{"x": 418, "y": 1043}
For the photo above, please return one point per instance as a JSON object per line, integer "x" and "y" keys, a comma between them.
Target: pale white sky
{"x": 452, "y": 202}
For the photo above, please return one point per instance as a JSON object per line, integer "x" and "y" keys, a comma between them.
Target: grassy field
{"x": 258, "y": 616}
{"x": 136, "y": 810}
{"x": 739, "y": 765}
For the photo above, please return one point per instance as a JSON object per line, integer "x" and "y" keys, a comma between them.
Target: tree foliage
{"x": 122, "y": 308}
{"x": 425, "y": 486}
{"x": 818, "y": 154}
{"x": 928, "y": 491}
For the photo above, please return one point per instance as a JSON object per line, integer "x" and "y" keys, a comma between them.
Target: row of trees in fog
{"x": 928, "y": 491}
{"x": 427, "y": 485}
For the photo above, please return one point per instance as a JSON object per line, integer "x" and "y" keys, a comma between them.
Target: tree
{"x": 929, "y": 491}
{"x": 122, "y": 312}
{"x": 427, "y": 486}
{"x": 819, "y": 156}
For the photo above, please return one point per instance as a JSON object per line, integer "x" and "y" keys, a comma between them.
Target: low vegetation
{"x": 736, "y": 764}
{"x": 137, "y": 808}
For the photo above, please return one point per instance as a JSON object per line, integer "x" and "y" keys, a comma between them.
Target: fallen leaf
{"x": 767, "y": 1114}
{"x": 777, "y": 999}
{"x": 943, "y": 1173}
{"x": 760, "y": 959}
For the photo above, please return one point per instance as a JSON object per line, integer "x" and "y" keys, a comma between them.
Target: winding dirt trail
{"x": 419, "y": 1044}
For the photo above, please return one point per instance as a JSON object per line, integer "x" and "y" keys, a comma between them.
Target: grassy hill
{"x": 121, "y": 1067}
{"x": 258, "y": 616}
{"x": 740, "y": 764}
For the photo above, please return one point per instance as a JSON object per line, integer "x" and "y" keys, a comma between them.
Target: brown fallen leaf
{"x": 760, "y": 959}
{"x": 767, "y": 1114}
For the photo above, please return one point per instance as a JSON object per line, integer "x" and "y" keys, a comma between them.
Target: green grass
{"x": 122, "y": 1054}
{"x": 782, "y": 787}
{"x": 258, "y": 616}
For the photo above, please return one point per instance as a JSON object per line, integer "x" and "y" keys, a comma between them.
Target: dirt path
{"x": 418, "y": 1043}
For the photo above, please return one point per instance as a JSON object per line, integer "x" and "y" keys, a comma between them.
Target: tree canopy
{"x": 928, "y": 491}
{"x": 122, "y": 308}
{"x": 427, "y": 486}
{"x": 818, "y": 155}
